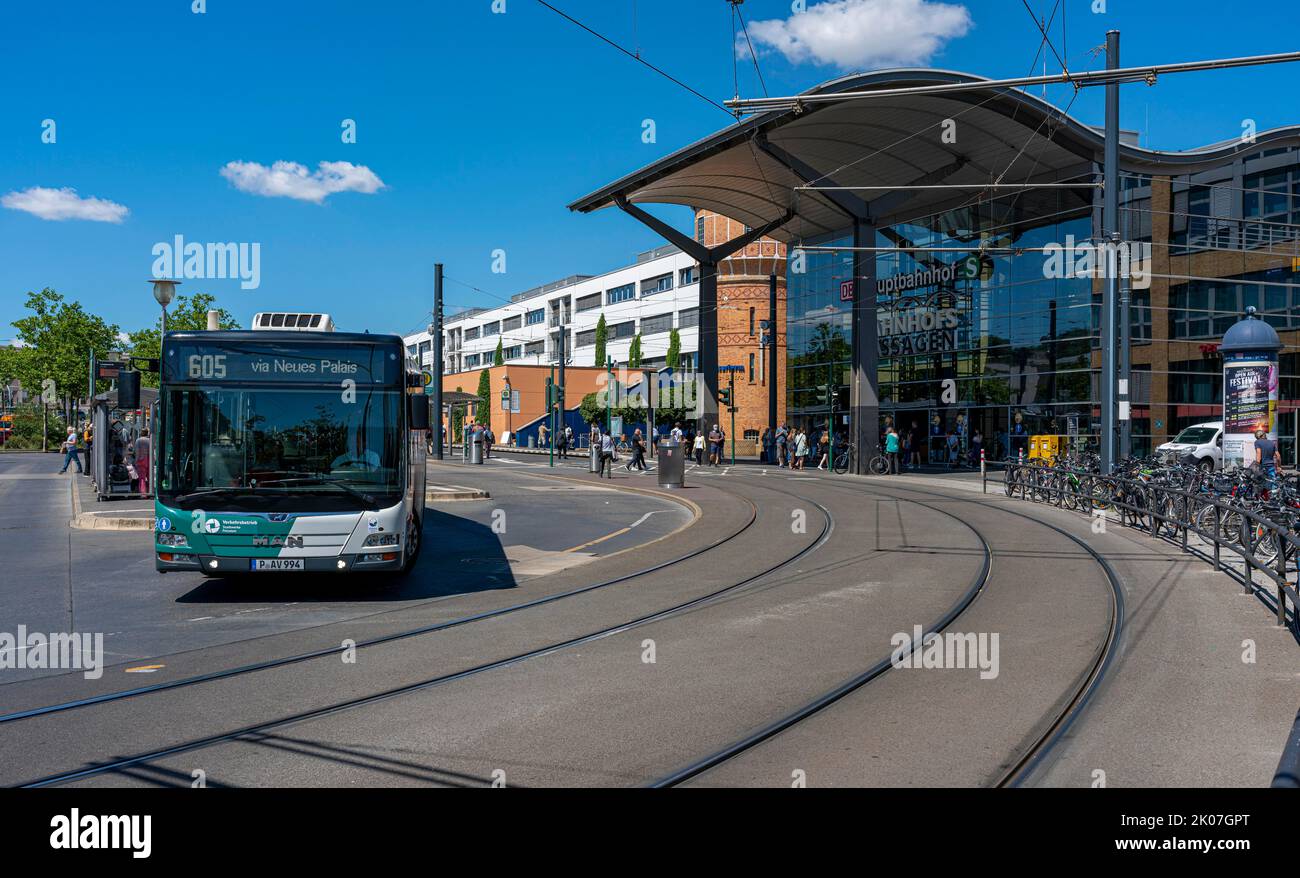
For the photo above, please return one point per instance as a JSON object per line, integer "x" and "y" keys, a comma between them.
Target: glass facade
{"x": 974, "y": 336}
{"x": 979, "y": 333}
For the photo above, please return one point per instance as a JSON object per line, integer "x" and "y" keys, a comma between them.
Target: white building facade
{"x": 653, "y": 296}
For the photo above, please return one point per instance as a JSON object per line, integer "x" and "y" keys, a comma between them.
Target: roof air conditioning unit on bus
{"x": 292, "y": 320}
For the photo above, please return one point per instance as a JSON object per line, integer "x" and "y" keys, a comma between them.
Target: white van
{"x": 1204, "y": 442}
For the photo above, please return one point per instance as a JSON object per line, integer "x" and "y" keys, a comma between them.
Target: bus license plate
{"x": 276, "y": 564}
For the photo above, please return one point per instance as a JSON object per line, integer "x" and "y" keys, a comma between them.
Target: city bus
{"x": 288, "y": 448}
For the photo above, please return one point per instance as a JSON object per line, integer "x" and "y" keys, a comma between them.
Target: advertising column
{"x": 1250, "y": 385}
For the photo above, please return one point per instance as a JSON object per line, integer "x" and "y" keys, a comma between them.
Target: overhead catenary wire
{"x": 1147, "y": 73}
{"x": 636, "y": 56}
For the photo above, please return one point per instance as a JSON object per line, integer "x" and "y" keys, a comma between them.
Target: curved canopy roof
{"x": 753, "y": 171}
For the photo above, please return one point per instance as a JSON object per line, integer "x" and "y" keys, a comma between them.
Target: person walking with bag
{"x": 606, "y": 455}
{"x": 638, "y": 453}
{"x": 69, "y": 447}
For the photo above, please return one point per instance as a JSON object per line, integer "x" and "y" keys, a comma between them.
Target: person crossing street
{"x": 70, "y": 451}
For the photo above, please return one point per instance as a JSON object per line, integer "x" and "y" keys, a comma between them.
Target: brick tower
{"x": 742, "y": 306}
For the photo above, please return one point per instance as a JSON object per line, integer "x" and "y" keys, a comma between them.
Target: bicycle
{"x": 879, "y": 463}
{"x": 845, "y": 456}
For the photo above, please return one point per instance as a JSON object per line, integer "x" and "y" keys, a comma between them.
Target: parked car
{"x": 1204, "y": 442}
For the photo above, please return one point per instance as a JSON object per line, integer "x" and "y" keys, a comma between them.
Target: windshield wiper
{"x": 317, "y": 480}
{"x": 216, "y": 490}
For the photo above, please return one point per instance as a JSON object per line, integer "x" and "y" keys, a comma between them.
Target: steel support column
{"x": 1110, "y": 288}
{"x": 864, "y": 391}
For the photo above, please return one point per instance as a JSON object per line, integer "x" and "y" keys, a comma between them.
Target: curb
{"x": 99, "y": 521}
{"x": 454, "y": 492}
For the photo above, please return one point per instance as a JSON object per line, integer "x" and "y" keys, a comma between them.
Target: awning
{"x": 753, "y": 171}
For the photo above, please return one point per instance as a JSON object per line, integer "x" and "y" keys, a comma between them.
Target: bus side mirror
{"x": 417, "y": 407}
{"x": 128, "y": 390}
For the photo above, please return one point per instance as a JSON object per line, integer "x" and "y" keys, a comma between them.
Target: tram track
{"x": 119, "y": 764}
{"x": 297, "y": 658}
{"x": 1023, "y": 764}
{"x": 255, "y": 731}
{"x": 1022, "y": 767}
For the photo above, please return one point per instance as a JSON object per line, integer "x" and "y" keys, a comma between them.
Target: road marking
{"x": 647, "y": 515}
{"x": 608, "y": 536}
{"x": 145, "y": 669}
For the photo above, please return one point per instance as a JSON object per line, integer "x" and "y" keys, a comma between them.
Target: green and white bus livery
{"x": 288, "y": 447}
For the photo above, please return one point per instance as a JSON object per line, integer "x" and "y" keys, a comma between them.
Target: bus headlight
{"x": 383, "y": 540}
{"x": 172, "y": 539}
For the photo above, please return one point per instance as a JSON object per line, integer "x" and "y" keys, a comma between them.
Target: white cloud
{"x": 64, "y": 204}
{"x": 863, "y": 34}
{"x": 292, "y": 180}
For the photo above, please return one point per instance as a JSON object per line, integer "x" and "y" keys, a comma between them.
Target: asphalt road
{"x": 795, "y": 583}
{"x": 60, "y": 579}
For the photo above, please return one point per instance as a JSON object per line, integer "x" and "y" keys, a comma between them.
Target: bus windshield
{"x": 270, "y": 449}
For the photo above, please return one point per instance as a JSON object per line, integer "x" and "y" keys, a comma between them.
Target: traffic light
{"x": 724, "y": 396}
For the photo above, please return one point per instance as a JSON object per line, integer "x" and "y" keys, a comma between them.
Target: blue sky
{"x": 481, "y": 127}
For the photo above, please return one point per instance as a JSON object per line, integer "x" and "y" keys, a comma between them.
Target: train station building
{"x": 938, "y": 251}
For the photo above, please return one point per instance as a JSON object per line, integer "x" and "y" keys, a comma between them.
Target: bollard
{"x": 984, "y": 472}
{"x": 594, "y": 465}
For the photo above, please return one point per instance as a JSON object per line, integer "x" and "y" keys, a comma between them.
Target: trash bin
{"x": 595, "y": 458}
{"x": 476, "y": 448}
{"x": 672, "y": 465}
{"x": 532, "y": 441}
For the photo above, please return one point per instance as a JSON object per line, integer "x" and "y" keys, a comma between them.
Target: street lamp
{"x": 164, "y": 291}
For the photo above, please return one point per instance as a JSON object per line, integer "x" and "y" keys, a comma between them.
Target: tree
{"x": 634, "y": 352}
{"x": 602, "y": 336}
{"x": 499, "y": 359}
{"x": 672, "y": 360}
{"x": 60, "y": 337}
{"x": 484, "y": 413}
{"x": 457, "y": 416}
{"x": 19, "y": 364}
{"x": 187, "y": 314}
{"x": 592, "y": 409}
{"x": 27, "y": 433}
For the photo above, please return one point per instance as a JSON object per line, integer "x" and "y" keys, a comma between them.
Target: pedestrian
{"x": 566, "y": 439}
{"x": 542, "y": 433}
{"x": 782, "y": 446}
{"x": 638, "y": 452}
{"x": 69, "y": 448}
{"x": 606, "y": 455}
{"x": 824, "y": 447}
{"x": 801, "y": 449}
{"x": 143, "y": 449}
{"x": 487, "y": 441}
{"x": 915, "y": 440}
{"x": 953, "y": 445}
{"x": 976, "y": 447}
{"x": 1267, "y": 456}
{"x": 698, "y": 444}
{"x": 891, "y": 450}
{"x": 715, "y": 442}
